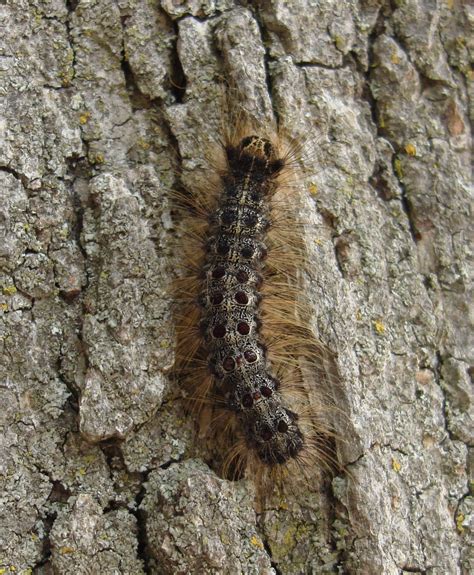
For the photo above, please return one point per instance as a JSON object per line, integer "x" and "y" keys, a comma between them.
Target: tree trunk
{"x": 108, "y": 106}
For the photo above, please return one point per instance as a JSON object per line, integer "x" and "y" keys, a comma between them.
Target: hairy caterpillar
{"x": 243, "y": 340}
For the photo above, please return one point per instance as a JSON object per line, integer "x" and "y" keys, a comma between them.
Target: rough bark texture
{"x": 101, "y": 102}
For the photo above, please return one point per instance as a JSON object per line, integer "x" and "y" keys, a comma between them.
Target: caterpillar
{"x": 244, "y": 341}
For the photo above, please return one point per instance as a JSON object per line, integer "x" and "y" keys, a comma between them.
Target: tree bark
{"x": 106, "y": 107}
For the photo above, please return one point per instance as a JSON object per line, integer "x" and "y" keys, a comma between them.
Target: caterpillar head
{"x": 258, "y": 147}
{"x": 254, "y": 154}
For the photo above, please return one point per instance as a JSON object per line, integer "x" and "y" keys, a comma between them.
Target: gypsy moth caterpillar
{"x": 245, "y": 350}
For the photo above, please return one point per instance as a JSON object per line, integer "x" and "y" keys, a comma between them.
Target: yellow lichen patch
{"x": 410, "y": 150}
{"x": 428, "y": 441}
{"x": 398, "y": 168}
{"x": 144, "y": 145}
{"x": 339, "y": 41}
{"x": 66, "y": 77}
{"x": 2, "y": 570}
{"x": 256, "y": 542}
{"x": 65, "y": 550}
{"x": 459, "y": 522}
{"x": 290, "y": 537}
{"x": 225, "y": 540}
{"x": 9, "y": 290}
{"x": 395, "y": 58}
{"x": 396, "y": 465}
{"x": 99, "y": 158}
{"x": 84, "y": 118}
{"x": 379, "y": 326}
{"x": 342, "y": 531}
{"x": 4, "y": 306}
{"x": 313, "y": 188}
{"x": 89, "y": 458}
{"x": 164, "y": 344}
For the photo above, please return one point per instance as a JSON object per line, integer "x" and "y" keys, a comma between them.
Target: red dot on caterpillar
{"x": 247, "y": 400}
{"x": 242, "y": 276}
{"x": 243, "y": 328}
{"x": 217, "y": 298}
{"x": 241, "y": 297}
{"x": 218, "y": 272}
{"x": 250, "y": 356}
{"x": 219, "y": 331}
{"x": 228, "y": 364}
{"x": 266, "y": 391}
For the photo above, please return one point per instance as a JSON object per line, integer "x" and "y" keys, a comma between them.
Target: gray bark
{"x": 102, "y": 102}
